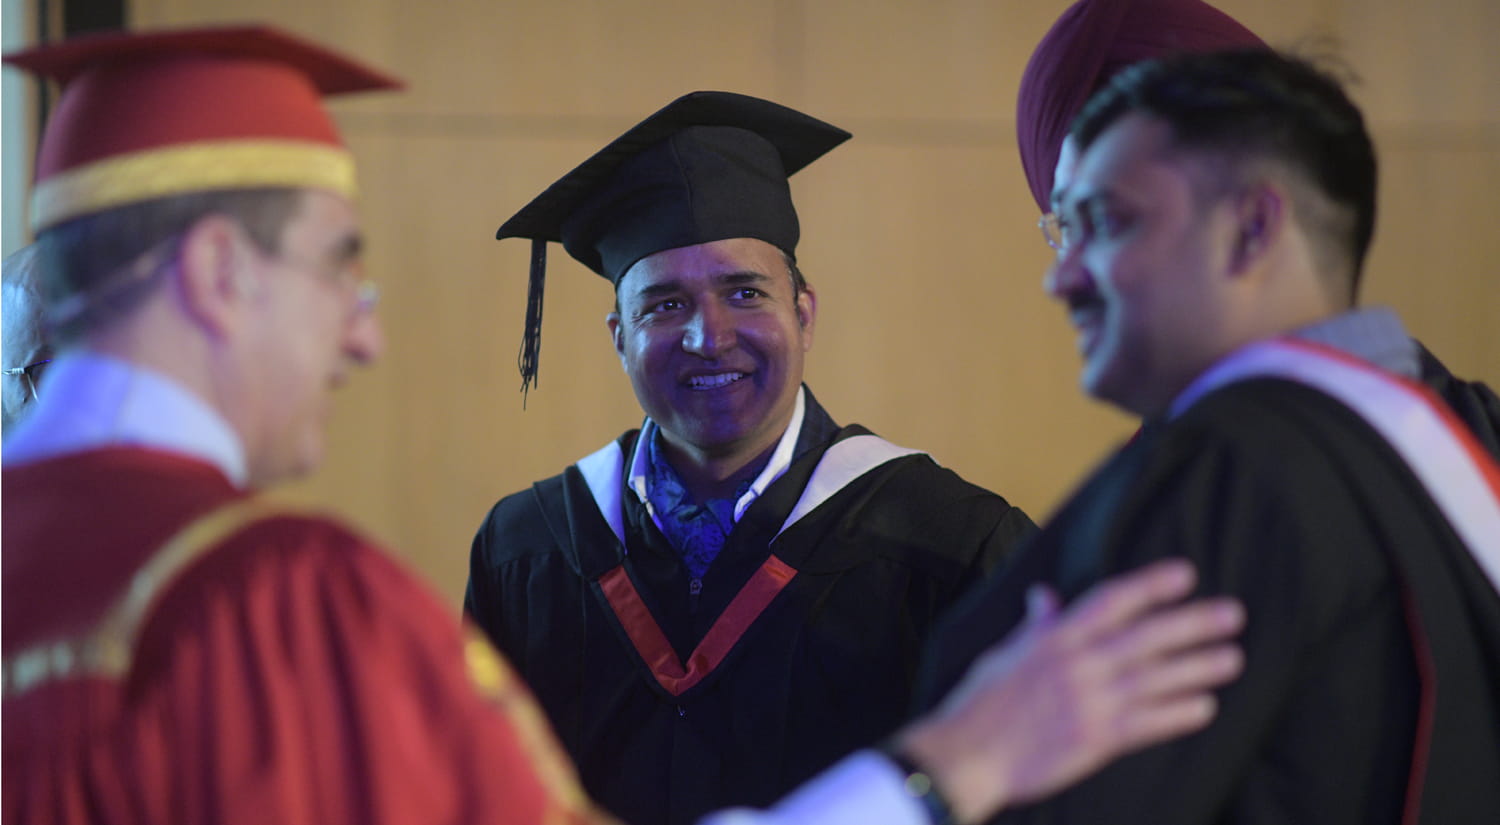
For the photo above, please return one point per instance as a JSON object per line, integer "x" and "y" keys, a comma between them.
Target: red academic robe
{"x": 178, "y": 652}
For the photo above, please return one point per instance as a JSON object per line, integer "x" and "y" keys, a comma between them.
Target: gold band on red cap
{"x": 191, "y": 167}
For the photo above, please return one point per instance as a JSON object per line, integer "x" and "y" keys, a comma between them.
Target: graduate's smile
{"x": 716, "y": 380}
{"x": 713, "y": 338}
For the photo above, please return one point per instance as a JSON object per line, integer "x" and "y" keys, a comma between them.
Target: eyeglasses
{"x": 344, "y": 275}
{"x": 366, "y": 297}
{"x": 29, "y": 374}
{"x": 1056, "y": 231}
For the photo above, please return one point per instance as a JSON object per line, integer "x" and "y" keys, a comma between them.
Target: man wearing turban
{"x": 1198, "y": 250}
{"x": 1090, "y": 43}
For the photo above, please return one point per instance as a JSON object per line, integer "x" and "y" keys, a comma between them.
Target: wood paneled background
{"x": 919, "y": 234}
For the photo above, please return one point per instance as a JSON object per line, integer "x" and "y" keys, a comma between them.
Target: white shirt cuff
{"x": 864, "y": 789}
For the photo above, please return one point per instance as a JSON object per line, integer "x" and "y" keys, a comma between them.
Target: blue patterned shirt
{"x": 696, "y": 531}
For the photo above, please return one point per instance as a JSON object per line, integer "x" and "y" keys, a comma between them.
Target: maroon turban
{"x": 1091, "y": 41}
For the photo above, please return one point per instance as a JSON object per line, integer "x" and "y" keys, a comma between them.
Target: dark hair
{"x": 799, "y": 283}
{"x": 87, "y": 261}
{"x": 1258, "y": 104}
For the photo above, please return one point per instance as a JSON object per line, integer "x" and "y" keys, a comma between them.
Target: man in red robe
{"x": 182, "y": 651}
{"x": 176, "y": 650}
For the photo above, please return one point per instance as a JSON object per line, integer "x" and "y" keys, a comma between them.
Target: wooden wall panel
{"x": 919, "y": 235}
{"x": 1436, "y": 247}
{"x": 577, "y": 60}
{"x": 1428, "y": 65}
{"x": 912, "y": 61}
{"x": 936, "y": 333}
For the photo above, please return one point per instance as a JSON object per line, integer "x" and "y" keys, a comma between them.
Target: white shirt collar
{"x": 90, "y": 400}
{"x": 780, "y": 460}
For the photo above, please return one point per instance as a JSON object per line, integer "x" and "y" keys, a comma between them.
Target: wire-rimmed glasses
{"x": 28, "y": 374}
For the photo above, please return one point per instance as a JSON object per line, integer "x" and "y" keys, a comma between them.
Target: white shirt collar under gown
{"x": 781, "y": 459}
{"x": 89, "y": 400}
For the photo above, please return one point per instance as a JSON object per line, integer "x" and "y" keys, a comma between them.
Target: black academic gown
{"x": 1365, "y": 613}
{"x": 1475, "y": 403}
{"x": 826, "y": 667}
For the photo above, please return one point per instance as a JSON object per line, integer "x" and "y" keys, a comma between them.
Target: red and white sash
{"x": 1463, "y": 480}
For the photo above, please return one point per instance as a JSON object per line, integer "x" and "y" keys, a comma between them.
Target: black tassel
{"x": 531, "y": 342}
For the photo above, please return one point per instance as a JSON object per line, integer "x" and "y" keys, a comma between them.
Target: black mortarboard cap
{"x": 707, "y": 167}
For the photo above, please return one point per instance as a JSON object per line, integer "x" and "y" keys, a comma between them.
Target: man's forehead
{"x": 1132, "y": 151}
{"x": 734, "y": 259}
{"x": 325, "y": 225}
{"x": 324, "y": 211}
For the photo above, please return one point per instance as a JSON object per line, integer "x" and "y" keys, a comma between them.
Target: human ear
{"x": 807, "y": 313}
{"x": 616, "y": 333}
{"x": 1260, "y": 219}
{"x": 215, "y": 273}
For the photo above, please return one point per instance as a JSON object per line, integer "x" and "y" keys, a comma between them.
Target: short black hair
{"x": 1259, "y": 104}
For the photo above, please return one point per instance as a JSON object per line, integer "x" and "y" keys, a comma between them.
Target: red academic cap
{"x": 1087, "y": 45}
{"x": 152, "y": 114}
